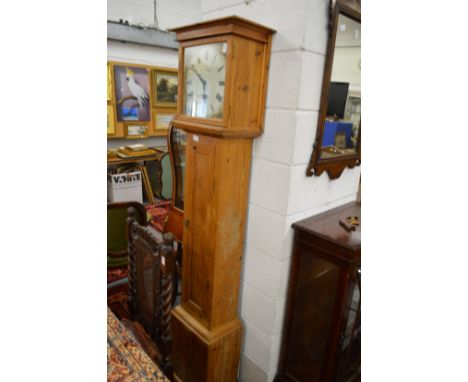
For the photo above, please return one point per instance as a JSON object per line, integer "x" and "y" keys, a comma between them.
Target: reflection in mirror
{"x": 343, "y": 120}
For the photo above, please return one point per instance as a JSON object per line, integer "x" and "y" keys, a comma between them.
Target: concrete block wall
{"x": 280, "y": 193}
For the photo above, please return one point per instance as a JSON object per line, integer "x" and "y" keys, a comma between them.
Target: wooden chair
{"x": 151, "y": 269}
{"x": 116, "y": 236}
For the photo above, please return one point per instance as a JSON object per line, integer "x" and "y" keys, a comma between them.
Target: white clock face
{"x": 204, "y": 76}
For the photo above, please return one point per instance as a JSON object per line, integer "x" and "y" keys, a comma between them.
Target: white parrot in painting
{"x": 137, "y": 90}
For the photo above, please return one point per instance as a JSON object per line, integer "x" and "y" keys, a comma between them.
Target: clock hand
{"x": 202, "y": 80}
{"x": 199, "y": 76}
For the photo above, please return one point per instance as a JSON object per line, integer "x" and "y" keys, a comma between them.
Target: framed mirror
{"x": 338, "y": 139}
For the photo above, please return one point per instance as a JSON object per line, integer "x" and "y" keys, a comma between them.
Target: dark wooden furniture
{"x": 331, "y": 159}
{"x": 322, "y": 323}
{"x": 176, "y": 139}
{"x": 160, "y": 175}
{"x": 116, "y": 235}
{"x": 150, "y": 278}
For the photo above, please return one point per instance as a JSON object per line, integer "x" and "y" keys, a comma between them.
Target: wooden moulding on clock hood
{"x": 233, "y": 25}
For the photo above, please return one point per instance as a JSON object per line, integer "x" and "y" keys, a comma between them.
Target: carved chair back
{"x": 151, "y": 269}
{"x": 116, "y": 220}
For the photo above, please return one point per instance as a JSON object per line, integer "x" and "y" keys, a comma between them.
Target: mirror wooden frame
{"x": 333, "y": 166}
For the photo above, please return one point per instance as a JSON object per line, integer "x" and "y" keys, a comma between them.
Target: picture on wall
{"x": 132, "y": 93}
{"x": 163, "y": 118}
{"x": 165, "y": 88}
{"x": 109, "y": 83}
{"x": 110, "y": 120}
{"x": 136, "y": 131}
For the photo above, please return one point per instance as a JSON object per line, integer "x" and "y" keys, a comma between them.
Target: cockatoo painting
{"x": 132, "y": 93}
{"x": 136, "y": 90}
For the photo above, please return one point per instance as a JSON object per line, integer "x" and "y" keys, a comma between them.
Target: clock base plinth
{"x": 203, "y": 355}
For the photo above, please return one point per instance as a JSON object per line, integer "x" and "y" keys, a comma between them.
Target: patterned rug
{"x": 158, "y": 214}
{"x": 126, "y": 360}
{"x": 117, "y": 300}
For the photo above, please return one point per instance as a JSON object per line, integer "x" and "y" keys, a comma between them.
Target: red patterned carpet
{"x": 126, "y": 360}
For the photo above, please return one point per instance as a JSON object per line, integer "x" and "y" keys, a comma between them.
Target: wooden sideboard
{"x": 322, "y": 337}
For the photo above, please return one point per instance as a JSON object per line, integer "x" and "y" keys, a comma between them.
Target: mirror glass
{"x": 343, "y": 119}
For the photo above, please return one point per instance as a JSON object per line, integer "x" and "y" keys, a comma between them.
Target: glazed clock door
{"x": 204, "y": 80}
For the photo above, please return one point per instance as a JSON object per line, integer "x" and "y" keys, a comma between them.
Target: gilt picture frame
{"x": 110, "y": 120}
{"x": 162, "y": 118}
{"x": 109, "y": 83}
{"x": 165, "y": 87}
{"x": 132, "y": 93}
{"x": 136, "y": 130}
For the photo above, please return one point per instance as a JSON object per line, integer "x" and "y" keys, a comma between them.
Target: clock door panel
{"x": 246, "y": 89}
{"x": 200, "y": 164}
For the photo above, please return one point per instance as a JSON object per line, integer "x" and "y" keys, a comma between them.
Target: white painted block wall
{"x": 170, "y": 13}
{"x": 280, "y": 193}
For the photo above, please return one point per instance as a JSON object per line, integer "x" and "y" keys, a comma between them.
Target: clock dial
{"x": 204, "y": 79}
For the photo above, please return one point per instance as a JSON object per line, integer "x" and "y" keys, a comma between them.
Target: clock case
{"x": 247, "y": 61}
{"x": 206, "y": 332}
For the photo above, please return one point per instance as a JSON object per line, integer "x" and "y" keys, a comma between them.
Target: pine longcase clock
{"x": 223, "y": 71}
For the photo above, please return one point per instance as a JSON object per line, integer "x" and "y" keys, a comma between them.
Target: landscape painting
{"x": 165, "y": 88}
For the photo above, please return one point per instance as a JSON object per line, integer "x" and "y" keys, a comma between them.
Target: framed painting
{"x": 165, "y": 84}
{"x": 110, "y": 120}
{"x": 109, "y": 83}
{"x": 132, "y": 94}
{"x": 162, "y": 118}
{"x": 136, "y": 130}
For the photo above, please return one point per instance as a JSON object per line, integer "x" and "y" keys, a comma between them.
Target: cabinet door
{"x": 349, "y": 350}
{"x": 200, "y": 218}
{"x": 313, "y": 316}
